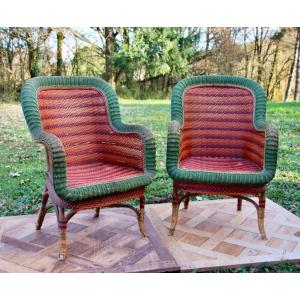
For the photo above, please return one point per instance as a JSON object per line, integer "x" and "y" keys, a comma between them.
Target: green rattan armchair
{"x": 94, "y": 160}
{"x": 219, "y": 142}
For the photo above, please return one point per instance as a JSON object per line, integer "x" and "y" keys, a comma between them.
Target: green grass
{"x": 22, "y": 167}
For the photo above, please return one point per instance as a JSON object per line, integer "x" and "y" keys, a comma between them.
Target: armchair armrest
{"x": 271, "y": 149}
{"x": 173, "y": 140}
{"x": 56, "y": 158}
{"x": 149, "y": 143}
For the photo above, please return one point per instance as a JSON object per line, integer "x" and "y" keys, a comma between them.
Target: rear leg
{"x": 43, "y": 210}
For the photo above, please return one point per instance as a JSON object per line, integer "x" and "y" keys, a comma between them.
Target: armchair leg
{"x": 62, "y": 244}
{"x": 186, "y": 202}
{"x": 261, "y": 215}
{"x": 62, "y": 226}
{"x": 239, "y": 204}
{"x": 175, "y": 210}
{"x": 141, "y": 216}
{"x": 43, "y": 210}
{"x": 97, "y": 212}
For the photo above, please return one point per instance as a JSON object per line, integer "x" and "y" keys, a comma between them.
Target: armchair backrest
{"x": 81, "y": 112}
{"x": 220, "y": 116}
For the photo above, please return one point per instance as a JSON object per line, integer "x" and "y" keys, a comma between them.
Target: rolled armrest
{"x": 173, "y": 146}
{"x": 149, "y": 143}
{"x": 57, "y": 157}
{"x": 271, "y": 149}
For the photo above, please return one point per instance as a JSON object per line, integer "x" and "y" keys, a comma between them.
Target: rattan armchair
{"x": 94, "y": 160}
{"x": 219, "y": 142}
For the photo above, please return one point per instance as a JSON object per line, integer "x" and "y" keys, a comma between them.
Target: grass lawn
{"x": 22, "y": 167}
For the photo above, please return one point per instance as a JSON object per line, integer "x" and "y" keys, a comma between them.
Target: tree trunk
{"x": 291, "y": 71}
{"x": 22, "y": 63}
{"x": 166, "y": 81}
{"x": 272, "y": 70}
{"x": 259, "y": 60}
{"x": 228, "y": 51}
{"x": 109, "y": 49}
{"x": 207, "y": 44}
{"x": 31, "y": 56}
{"x": 288, "y": 87}
{"x": 59, "y": 58}
{"x": 37, "y": 61}
{"x": 254, "y": 52}
{"x": 246, "y": 53}
{"x": 296, "y": 91}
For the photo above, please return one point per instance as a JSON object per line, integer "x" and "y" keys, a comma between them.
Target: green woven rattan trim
{"x": 271, "y": 147}
{"x": 56, "y": 149}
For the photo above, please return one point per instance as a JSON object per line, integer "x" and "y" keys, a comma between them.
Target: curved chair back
{"x": 218, "y": 118}
{"x": 81, "y": 112}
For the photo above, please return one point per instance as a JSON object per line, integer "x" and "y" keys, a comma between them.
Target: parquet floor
{"x": 112, "y": 243}
{"x": 213, "y": 234}
{"x": 210, "y": 234}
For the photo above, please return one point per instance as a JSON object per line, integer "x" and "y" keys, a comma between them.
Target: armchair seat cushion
{"x": 99, "y": 172}
{"x": 223, "y": 164}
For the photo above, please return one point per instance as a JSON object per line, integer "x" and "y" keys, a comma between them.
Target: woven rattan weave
{"x": 218, "y": 141}
{"x": 94, "y": 160}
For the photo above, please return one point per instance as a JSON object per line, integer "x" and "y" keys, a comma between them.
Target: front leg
{"x": 62, "y": 227}
{"x": 261, "y": 215}
{"x": 175, "y": 210}
{"x": 141, "y": 216}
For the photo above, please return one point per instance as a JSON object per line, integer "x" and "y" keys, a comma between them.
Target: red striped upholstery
{"x": 218, "y": 132}
{"x": 95, "y": 152}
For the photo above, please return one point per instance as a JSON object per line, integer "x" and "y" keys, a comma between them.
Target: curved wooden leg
{"x": 62, "y": 226}
{"x": 62, "y": 243}
{"x": 175, "y": 210}
{"x": 186, "y": 202}
{"x": 43, "y": 210}
{"x": 97, "y": 212}
{"x": 239, "y": 204}
{"x": 141, "y": 216}
{"x": 261, "y": 215}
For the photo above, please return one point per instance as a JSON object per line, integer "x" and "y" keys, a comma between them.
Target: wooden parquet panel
{"x": 213, "y": 234}
{"x": 210, "y": 234}
{"x": 111, "y": 243}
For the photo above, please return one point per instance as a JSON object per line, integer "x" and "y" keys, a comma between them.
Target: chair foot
{"x": 43, "y": 211}
{"x": 239, "y": 204}
{"x": 261, "y": 222}
{"x": 175, "y": 210}
{"x": 61, "y": 257}
{"x": 97, "y": 212}
{"x": 62, "y": 221}
{"x": 62, "y": 244}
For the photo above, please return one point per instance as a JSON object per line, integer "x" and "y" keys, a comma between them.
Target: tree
{"x": 109, "y": 50}
{"x": 291, "y": 71}
{"x": 59, "y": 58}
{"x": 276, "y": 39}
{"x": 296, "y": 91}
